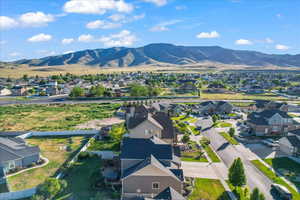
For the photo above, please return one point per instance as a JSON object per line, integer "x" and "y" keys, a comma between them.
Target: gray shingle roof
{"x": 164, "y": 120}
{"x": 169, "y": 194}
{"x": 260, "y": 118}
{"x": 139, "y": 148}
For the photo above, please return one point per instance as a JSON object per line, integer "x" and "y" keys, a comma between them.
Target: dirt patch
{"x": 97, "y": 124}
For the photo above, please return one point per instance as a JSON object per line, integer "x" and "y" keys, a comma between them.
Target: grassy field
{"x": 51, "y": 117}
{"x": 241, "y": 96}
{"x": 208, "y": 189}
{"x": 230, "y": 139}
{"x": 57, "y": 150}
{"x": 272, "y": 176}
{"x": 289, "y": 168}
{"x": 81, "y": 178}
{"x": 222, "y": 125}
{"x": 212, "y": 155}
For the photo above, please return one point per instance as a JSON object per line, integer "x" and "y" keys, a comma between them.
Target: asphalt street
{"x": 228, "y": 153}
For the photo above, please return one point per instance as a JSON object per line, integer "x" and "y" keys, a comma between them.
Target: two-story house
{"x": 271, "y": 122}
{"x": 152, "y": 164}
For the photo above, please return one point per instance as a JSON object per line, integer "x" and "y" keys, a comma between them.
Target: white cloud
{"x": 117, "y": 17}
{"x": 7, "y": 22}
{"x": 96, "y": 6}
{"x": 269, "y": 40}
{"x": 86, "y": 38}
{"x": 180, "y": 7}
{"x": 14, "y": 54}
{"x": 102, "y": 24}
{"x": 124, "y": 38}
{"x": 279, "y": 16}
{"x": 36, "y": 19}
{"x": 67, "y": 40}
{"x": 3, "y": 42}
{"x": 281, "y": 47}
{"x": 243, "y": 42}
{"x": 40, "y": 38}
{"x": 157, "y": 2}
{"x": 164, "y": 26}
{"x": 213, "y": 34}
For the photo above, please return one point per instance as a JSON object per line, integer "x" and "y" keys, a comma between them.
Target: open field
{"x": 273, "y": 177}
{"x": 241, "y": 96}
{"x": 57, "y": 150}
{"x": 51, "y": 117}
{"x": 208, "y": 189}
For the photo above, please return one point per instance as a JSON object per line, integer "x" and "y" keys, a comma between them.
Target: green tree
{"x": 77, "y": 92}
{"x": 97, "y": 91}
{"x": 215, "y": 118}
{"x": 137, "y": 90}
{"x": 236, "y": 174}
{"x": 185, "y": 138}
{"x": 49, "y": 189}
{"x": 231, "y": 132}
{"x": 257, "y": 195}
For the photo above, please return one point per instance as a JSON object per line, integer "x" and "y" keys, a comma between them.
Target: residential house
{"x": 217, "y": 88}
{"x": 290, "y": 144}
{"x": 214, "y": 107}
{"x": 4, "y": 91}
{"x": 153, "y": 164}
{"x": 19, "y": 90}
{"x": 271, "y": 122}
{"x": 14, "y": 153}
{"x": 261, "y": 105}
{"x": 187, "y": 88}
{"x": 158, "y": 124}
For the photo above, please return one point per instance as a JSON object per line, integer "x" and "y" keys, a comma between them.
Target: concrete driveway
{"x": 204, "y": 170}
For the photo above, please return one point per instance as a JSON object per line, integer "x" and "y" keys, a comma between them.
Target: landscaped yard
{"x": 223, "y": 125}
{"x": 51, "y": 117}
{"x": 208, "y": 189}
{"x": 194, "y": 154}
{"x": 57, "y": 150}
{"x": 230, "y": 139}
{"x": 289, "y": 168}
{"x": 272, "y": 176}
{"x": 211, "y": 154}
{"x": 81, "y": 179}
{"x": 113, "y": 143}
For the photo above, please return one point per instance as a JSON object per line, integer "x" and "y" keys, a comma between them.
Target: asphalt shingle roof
{"x": 169, "y": 194}
{"x": 139, "y": 148}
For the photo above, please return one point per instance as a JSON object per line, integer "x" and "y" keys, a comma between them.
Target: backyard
{"x": 82, "y": 179}
{"x": 57, "y": 150}
{"x": 51, "y": 117}
{"x": 193, "y": 154}
{"x": 289, "y": 168}
{"x": 209, "y": 189}
{"x": 276, "y": 179}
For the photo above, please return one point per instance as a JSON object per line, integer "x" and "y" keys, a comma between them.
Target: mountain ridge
{"x": 164, "y": 53}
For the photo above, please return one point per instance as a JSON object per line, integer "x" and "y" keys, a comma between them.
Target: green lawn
{"x": 81, "y": 179}
{"x": 211, "y": 154}
{"x": 223, "y": 125}
{"x": 208, "y": 189}
{"x": 289, "y": 168}
{"x": 112, "y": 144}
{"x": 194, "y": 155}
{"x": 272, "y": 176}
{"x": 230, "y": 139}
{"x": 51, "y": 117}
{"x": 57, "y": 150}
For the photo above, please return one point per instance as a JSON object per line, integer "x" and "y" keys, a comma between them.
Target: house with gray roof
{"x": 153, "y": 164}
{"x": 290, "y": 145}
{"x": 271, "y": 123}
{"x": 15, "y": 153}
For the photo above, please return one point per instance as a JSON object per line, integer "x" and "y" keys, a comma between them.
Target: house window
{"x": 147, "y": 132}
{"x": 155, "y": 185}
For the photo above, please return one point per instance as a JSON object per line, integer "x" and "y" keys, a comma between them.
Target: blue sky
{"x": 38, "y": 28}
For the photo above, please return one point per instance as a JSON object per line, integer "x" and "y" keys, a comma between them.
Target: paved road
{"x": 228, "y": 153}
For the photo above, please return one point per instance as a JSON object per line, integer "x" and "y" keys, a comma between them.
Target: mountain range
{"x": 162, "y": 54}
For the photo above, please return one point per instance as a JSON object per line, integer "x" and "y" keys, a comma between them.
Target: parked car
{"x": 282, "y": 191}
{"x": 269, "y": 143}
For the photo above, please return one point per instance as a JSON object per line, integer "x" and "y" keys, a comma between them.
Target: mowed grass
{"x": 230, "y": 139}
{"x": 291, "y": 168}
{"x": 57, "y": 150}
{"x": 80, "y": 178}
{"x": 241, "y": 96}
{"x": 273, "y": 177}
{"x": 51, "y": 117}
{"x": 208, "y": 189}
